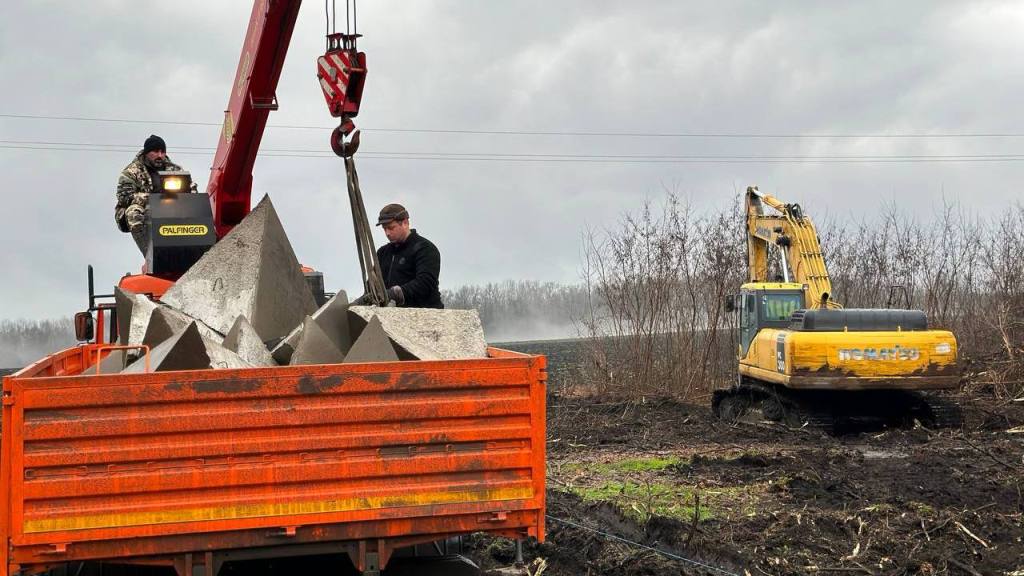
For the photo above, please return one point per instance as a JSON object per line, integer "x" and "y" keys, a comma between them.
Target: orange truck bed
{"x": 199, "y": 467}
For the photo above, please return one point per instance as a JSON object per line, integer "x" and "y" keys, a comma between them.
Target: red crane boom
{"x": 253, "y": 96}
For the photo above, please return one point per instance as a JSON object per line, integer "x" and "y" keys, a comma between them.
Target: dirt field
{"x": 764, "y": 499}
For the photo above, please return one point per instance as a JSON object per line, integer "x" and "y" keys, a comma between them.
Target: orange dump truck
{"x": 193, "y": 468}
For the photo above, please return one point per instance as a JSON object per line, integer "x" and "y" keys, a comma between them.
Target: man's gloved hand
{"x": 395, "y": 293}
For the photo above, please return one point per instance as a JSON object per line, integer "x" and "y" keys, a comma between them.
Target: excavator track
{"x": 834, "y": 412}
{"x": 943, "y": 412}
{"x": 752, "y": 399}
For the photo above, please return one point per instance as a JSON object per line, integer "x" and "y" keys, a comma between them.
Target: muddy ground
{"x": 757, "y": 498}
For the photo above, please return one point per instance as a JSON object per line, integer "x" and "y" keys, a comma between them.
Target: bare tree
{"x": 657, "y": 282}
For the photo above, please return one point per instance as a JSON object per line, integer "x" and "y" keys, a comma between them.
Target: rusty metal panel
{"x": 120, "y": 463}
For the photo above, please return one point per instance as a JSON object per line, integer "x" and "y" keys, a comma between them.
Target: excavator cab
{"x": 765, "y": 305}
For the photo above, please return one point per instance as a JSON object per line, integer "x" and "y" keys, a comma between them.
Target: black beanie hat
{"x": 154, "y": 142}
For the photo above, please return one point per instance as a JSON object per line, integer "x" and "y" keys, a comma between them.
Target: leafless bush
{"x": 966, "y": 272}
{"x": 656, "y": 284}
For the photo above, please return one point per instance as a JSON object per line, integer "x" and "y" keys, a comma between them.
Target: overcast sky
{"x": 668, "y": 67}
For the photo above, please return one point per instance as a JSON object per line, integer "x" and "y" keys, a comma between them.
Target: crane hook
{"x": 339, "y": 145}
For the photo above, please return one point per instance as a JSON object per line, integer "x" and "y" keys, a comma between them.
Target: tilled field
{"x": 693, "y": 495}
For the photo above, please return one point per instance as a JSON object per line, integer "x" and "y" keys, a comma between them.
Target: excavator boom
{"x": 794, "y": 234}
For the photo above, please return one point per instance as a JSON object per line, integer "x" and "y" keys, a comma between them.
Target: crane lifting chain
{"x": 373, "y": 282}
{"x": 342, "y": 73}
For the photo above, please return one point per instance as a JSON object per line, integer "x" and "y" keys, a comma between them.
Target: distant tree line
{"x": 518, "y": 310}
{"x": 25, "y": 341}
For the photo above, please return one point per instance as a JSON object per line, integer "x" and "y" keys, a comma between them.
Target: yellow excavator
{"x": 804, "y": 359}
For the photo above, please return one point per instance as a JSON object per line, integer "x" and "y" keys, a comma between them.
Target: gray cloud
{"x": 782, "y": 67}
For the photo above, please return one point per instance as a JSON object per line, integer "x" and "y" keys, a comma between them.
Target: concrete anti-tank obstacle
{"x": 315, "y": 346}
{"x": 161, "y": 327}
{"x": 164, "y": 322}
{"x": 221, "y": 357}
{"x": 243, "y": 340}
{"x": 372, "y": 345}
{"x": 115, "y": 362}
{"x": 428, "y": 333}
{"x": 251, "y": 272}
{"x": 141, "y": 310}
{"x": 187, "y": 349}
{"x": 184, "y": 350}
{"x": 123, "y": 300}
{"x": 332, "y": 318}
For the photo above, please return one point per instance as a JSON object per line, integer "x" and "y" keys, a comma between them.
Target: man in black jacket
{"x": 410, "y": 263}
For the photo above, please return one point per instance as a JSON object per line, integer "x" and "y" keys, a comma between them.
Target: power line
{"x": 664, "y": 553}
{"x": 321, "y": 152}
{"x": 733, "y": 135}
{"x": 555, "y": 158}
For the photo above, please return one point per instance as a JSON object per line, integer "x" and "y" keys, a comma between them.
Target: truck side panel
{"x": 110, "y": 466}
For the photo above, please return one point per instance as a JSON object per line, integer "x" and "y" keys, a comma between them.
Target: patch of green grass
{"x": 641, "y": 501}
{"x": 649, "y": 464}
{"x": 645, "y": 464}
{"x": 922, "y": 508}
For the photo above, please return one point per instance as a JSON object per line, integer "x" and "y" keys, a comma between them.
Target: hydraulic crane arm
{"x": 253, "y": 96}
{"x": 341, "y": 72}
{"x": 794, "y": 233}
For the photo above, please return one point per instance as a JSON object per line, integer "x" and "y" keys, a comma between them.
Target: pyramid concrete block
{"x": 184, "y": 350}
{"x": 115, "y": 362}
{"x": 142, "y": 309}
{"x": 315, "y": 346}
{"x": 251, "y": 272}
{"x": 243, "y": 340}
{"x": 428, "y": 333}
{"x": 187, "y": 349}
{"x": 373, "y": 345}
{"x": 332, "y": 318}
{"x": 221, "y": 357}
{"x": 165, "y": 322}
{"x": 123, "y": 300}
{"x": 161, "y": 327}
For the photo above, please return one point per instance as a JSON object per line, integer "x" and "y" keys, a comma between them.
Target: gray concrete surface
{"x": 315, "y": 346}
{"x": 165, "y": 321}
{"x": 243, "y": 340}
{"x": 430, "y": 334}
{"x": 372, "y": 345}
{"x": 332, "y": 318}
{"x": 123, "y": 300}
{"x": 115, "y": 362}
{"x": 184, "y": 350}
{"x": 251, "y": 272}
{"x": 221, "y": 357}
{"x": 142, "y": 309}
{"x": 187, "y": 349}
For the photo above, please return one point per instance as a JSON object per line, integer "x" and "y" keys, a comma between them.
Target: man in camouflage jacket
{"x": 137, "y": 181}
